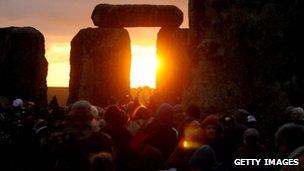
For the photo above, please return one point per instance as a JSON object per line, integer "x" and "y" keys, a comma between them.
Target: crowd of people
{"x": 133, "y": 137}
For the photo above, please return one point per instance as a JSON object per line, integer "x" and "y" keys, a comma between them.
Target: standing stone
{"x": 197, "y": 21}
{"x": 100, "y": 65}
{"x": 106, "y": 15}
{"x": 248, "y": 56}
{"x": 23, "y": 66}
{"x": 172, "y": 52}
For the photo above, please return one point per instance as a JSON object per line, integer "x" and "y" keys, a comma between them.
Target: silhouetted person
{"x": 203, "y": 160}
{"x": 139, "y": 118}
{"x": 162, "y": 134}
{"x": 102, "y": 161}
{"x": 214, "y": 137}
{"x": 193, "y": 113}
{"x": 54, "y": 109}
{"x": 297, "y": 115}
{"x": 251, "y": 147}
{"x": 53, "y": 103}
{"x": 290, "y": 142}
{"x": 80, "y": 140}
{"x": 116, "y": 127}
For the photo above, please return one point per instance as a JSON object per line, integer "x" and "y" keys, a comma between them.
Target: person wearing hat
{"x": 79, "y": 140}
{"x": 162, "y": 134}
{"x": 240, "y": 116}
{"x": 214, "y": 137}
{"x": 232, "y": 138}
{"x": 212, "y": 127}
{"x": 18, "y": 103}
{"x": 18, "y": 108}
{"x": 251, "y": 121}
{"x": 116, "y": 126}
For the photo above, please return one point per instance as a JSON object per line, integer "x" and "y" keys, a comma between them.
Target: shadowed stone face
{"x": 23, "y": 66}
{"x": 105, "y": 15}
{"x": 247, "y": 55}
{"x": 172, "y": 75}
{"x": 100, "y": 65}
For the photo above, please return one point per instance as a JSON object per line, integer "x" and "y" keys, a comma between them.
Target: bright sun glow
{"x": 143, "y": 67}
{"x": 59, "y": 68}
{"x": 58, "y": 75}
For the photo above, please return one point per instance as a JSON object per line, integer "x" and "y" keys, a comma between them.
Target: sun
{"x": 143, "y": 66}
{"x": 57, "y": 54}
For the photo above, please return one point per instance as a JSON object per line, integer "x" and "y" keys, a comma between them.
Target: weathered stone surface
{"x": 248, "y": 56}
{"x": 172, "y": 52}
{"x": 100, "y": 65}
{"x": 106, "y": 15}
{"x": 23, "y": 66}
{"x": 196, "y": 24}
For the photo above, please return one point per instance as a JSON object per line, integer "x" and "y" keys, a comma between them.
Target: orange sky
{"x": 60, "y": 20}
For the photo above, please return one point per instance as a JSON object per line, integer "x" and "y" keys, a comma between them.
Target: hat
{"x": 81, "y": 111}
{"x": 227, "y": 120}
{"x": 299, "y": 112}
{"x": 251, "y": 118}
{"x": 241, "y": 116}
{"x": 165, "y": 109}
{"x": 18, "y": 103}
{"x": 251, "y": 132}
{"x": 95, "y": 112}
{"x": 81, "y": 105}
{"x": 211, "y": 120}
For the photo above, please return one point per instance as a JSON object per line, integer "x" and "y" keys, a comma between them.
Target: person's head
{"x": 194, "y": 111}
{"x": 289, "y": 137}
{"x": 251, "y": 121}
{"x": 212, "y": 127}
{"x": 95, "y": 112}
{"x": 297, "y": 114}
{"x": 241, "y": 116}
{"x": 164, "y": 114}
{"x": 227, "y": 122}
{"x": 102, "y": 161}
{"x": 251, "y": 137}
{"x": 140, "y": 112}
{"x": 114, "y": 115}
{"x": 53, "y": 103}
{"x": 194, "y": 136}
{"x": 203, "y": 160}
{"x": 288, "y": 110}
{"x": 4, "y": 103}
{"x": 81, "y": 112}
{"x": 179, "y": 115}
{"x": 18, "y": 103}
